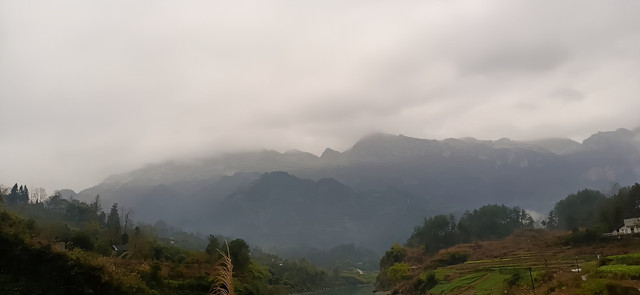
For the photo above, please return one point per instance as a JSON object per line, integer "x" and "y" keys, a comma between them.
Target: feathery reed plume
{"x": 222, "y": 275}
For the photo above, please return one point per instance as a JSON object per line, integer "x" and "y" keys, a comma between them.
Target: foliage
{"x": 437, "y": 232}
{"x": 576, "y": 210}
{"x": 18, "y": 195}
{"x": 73, "y": 272}
{"x": 491, "y": 283}
{"x": 81, "y": 240}
{"x": 113, "y": 225}
{"x": 625, "y": 266}
{"x": 487, "y": 222}
{"x": 3, "y": 193}
{"x": 240, "y": 255}
{"x": 620, "y": 271}
{"x": 452, "y": 258}
{"x": 628, "y": 259}
{"x": 398, "y": 272}
{"x": 394, "y": 255}
{"x": 624, "y": 204}
{"x": 492, "y": 222}
{"x": 426, "y": 281}
{"x": 140, "y": 245}
{"x": 586, "y": 236}
{"x": 591, "y": 209}
{"x": 295, "y": 275}
{"x": 513, "y": 279}
{"x": 146, "y": 263}
{"x": 305, "y": 276}
{"x": 460, "y": 282}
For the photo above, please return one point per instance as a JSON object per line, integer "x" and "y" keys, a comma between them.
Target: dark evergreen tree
{"x": 102, "y": 218}
{"x": 612, "y": 212}
{"x": 113, "y": 225}
{"x": 492, "y": 222}
{"x": 23, "y": 196}
{"x": 437, "y": 232}
{"x": 20, "y": 193}
{"x": 13, "y": 195}
{"x": 576, "y": 210}
{"x": 240, "y": 255}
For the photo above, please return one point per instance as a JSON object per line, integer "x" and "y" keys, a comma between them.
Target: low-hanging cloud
{"x": 88, "y": 89}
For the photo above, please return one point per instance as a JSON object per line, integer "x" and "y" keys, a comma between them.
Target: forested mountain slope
{"x": 451, "y": 175}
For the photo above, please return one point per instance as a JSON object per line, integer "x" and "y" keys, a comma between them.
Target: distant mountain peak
{"x": 609, "y": 138}
{"x": 559, "y": 146}
{"x": 296, "y": 152}
{"x": 376, "y": 138}
{"x": 330, "y": 154}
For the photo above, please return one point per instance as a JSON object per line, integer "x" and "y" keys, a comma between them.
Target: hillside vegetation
{"x": 502, "y": 267}
{"x": 484, "y": 253}
{"x": 64, "y": 246}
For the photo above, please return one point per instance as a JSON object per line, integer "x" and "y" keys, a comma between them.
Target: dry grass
{"x": 222, "y": 276}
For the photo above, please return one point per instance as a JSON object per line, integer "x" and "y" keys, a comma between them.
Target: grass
{"x": 626, "y": 266}
{"x": 493, "y": 265}
{"x": 442, "y": 272}
{"x": 620, "y": 271}
{"x": 222, "y": 276}
{"x": 460, "y": 282}
{"x": 492, "y": 283}
{"x": 488, "y": 260}
{"x": 628, "y": 259}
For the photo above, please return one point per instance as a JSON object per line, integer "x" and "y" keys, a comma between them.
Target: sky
{"x": 94, "y": 88}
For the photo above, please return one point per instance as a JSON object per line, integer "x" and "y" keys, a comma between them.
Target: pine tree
{"x": 24, "y": 195}
{"x": 113, "y": 224}
{"x": 13, "y": 195}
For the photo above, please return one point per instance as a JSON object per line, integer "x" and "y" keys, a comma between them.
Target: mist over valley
{"x": 372, "y": 194}
{"x": 319, "y": 147}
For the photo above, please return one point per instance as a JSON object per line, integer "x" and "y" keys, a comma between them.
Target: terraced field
{"x": 532, "y": 257}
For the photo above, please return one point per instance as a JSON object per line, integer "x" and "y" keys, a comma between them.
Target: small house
{"x": 630, "y": 226}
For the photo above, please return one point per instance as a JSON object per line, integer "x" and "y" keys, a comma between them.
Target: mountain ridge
{"x": 451, "y": 175}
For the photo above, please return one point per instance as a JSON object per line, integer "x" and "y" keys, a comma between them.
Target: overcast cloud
{"x": 92, "y": 88}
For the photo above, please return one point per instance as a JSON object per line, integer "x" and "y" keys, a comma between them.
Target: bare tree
{"x": 38, "y": 195}
{"x": 97, "y": 204}
{"x": 127, "y": 216}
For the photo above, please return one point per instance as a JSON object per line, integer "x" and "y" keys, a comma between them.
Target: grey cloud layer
{"x": 88, "y": 89}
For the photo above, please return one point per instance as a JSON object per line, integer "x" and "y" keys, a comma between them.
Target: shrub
{"x": 513, "y": 280}
{"x": 453, "y": 258}
{"x": 588, "y": 236}
{"x": 398, "y": 272}
{"x": 628, "y": 259}
{"x": 426, "y": 281}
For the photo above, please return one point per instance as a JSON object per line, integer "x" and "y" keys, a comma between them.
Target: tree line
{"x": 594, "y": 210}
{"x": 486, "y": 223}
{"x": 439, "y": 232}
{"x": 136, "y": 258}
{"x": 585, "y": 209}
